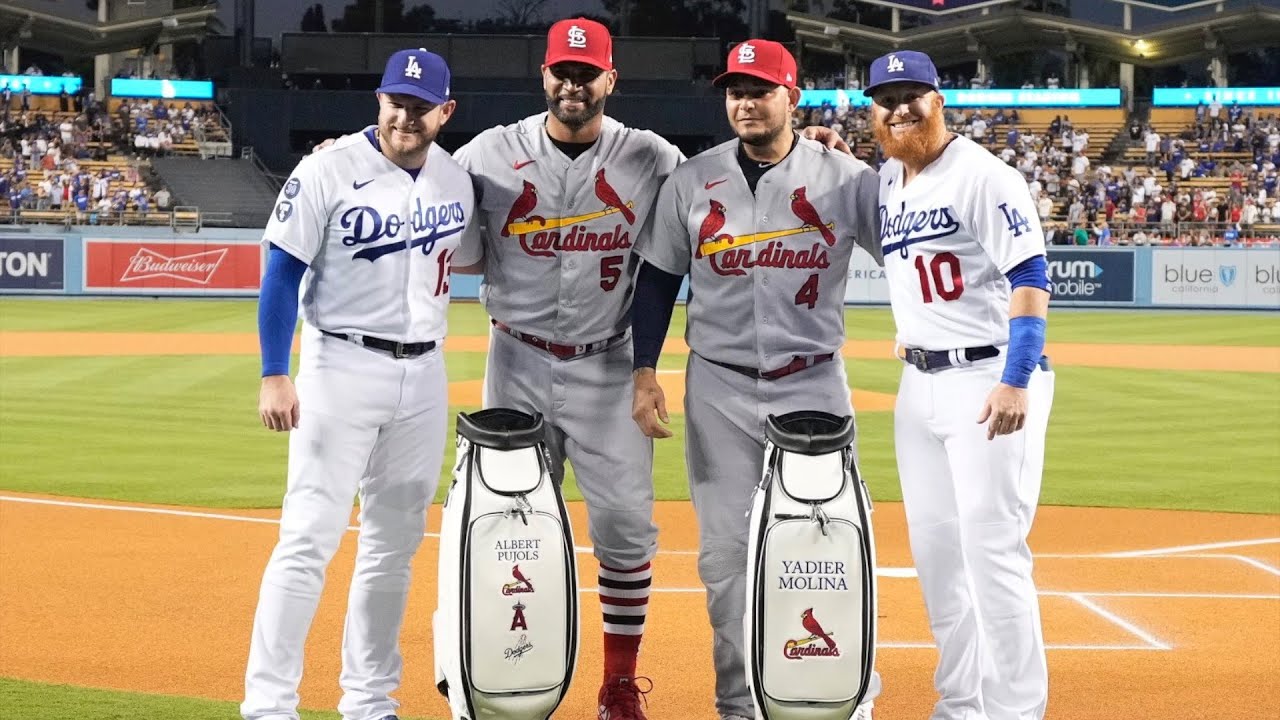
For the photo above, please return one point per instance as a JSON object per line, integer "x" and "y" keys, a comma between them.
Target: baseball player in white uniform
{"x": 764, "y": 227}
{"x": 373, "y": 224}
{"x": 565, "y": 194}
{"x": 965, "y": 260}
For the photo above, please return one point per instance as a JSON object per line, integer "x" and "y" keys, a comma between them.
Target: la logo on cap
{"x": 746, "y": 53}
{"x": 895, "y": 65}
{"x": 577, "y": 37}
{"x": 413, "y": 69}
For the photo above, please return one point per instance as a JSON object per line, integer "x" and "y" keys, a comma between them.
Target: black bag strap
{"x": 810, "y": 432}
{"x": 501, "y": 428}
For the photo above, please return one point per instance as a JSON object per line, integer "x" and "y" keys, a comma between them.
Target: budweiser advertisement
{"x": 172, "y": 267}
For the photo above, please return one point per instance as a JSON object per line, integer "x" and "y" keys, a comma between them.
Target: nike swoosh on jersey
{"x": 518, "y": 165}
{"x": 713, "y": 183}
{"x": 355, "y": 185}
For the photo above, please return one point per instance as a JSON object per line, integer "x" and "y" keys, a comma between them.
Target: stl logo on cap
{"x": 746, "y": 53}
{"x": 894, "y": 65}
{"x": 577, "y": 37}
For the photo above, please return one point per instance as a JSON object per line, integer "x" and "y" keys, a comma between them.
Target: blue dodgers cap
{"x": 902, "y": 66}
{"x": 417, "y": 72}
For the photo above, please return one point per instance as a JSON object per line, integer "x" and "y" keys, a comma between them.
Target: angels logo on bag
{"x": 518, "y": 620}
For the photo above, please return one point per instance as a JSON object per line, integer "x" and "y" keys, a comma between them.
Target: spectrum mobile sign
{"x": 1104, "y": 276}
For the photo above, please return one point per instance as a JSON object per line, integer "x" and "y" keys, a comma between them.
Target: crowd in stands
{"x": 1156, "y": 199}
{"x": 946, "y": 82}
{"x": 80, "y": 163}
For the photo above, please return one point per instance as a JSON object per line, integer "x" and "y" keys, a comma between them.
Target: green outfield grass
{"x": 21, "y": 700}
{"x": 184, "y": 430}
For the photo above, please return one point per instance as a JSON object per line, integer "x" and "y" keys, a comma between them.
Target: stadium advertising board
{"x": 31, "y": 263}
{"x": 1217, "y": 277}
{"x": 1092, "y": 275}
{"x": 167, "y": 267}
{"x": 41, "y": 84}
{"x": 167, "y": 89}
{"x": 1194, "y": 96}
{"x": 995, "y": 97}
{"x": 866, "y": 280}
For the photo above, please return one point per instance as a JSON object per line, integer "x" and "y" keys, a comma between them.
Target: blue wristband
{"x": 1026, "y": 346}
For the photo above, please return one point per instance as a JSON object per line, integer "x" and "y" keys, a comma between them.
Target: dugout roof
{"x": 45, "y": 27}
{"x": 951, "y": 40}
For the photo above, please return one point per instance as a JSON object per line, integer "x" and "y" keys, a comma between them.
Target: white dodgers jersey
{"x": 378, "y": 243}
{"x": 948, "y": 238}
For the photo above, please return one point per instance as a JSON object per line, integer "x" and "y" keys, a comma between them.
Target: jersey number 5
{"x": 610, "y": 272}
{"x": 948, "y": 285}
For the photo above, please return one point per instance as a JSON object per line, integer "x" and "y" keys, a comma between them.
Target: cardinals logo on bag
{"x": 728, "y": 254}
{"x": 521, "y": 585}
{"x": 542, "y": 236}
{"x": 819, "y": 643}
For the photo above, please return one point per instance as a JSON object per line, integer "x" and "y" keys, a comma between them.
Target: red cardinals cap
{"x": 764, "y": 59}
{"x": 580, "y": 40}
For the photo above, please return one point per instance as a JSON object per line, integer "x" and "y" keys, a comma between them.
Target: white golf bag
{"x": 810, "y": 619}
{"x": 506, "y": 627}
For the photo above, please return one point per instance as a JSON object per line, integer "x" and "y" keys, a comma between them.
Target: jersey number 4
{"x": 948, "y": 284}
{"x": 808, "y": 292}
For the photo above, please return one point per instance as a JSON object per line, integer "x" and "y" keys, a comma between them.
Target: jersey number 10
{"x": 948, "y": 285}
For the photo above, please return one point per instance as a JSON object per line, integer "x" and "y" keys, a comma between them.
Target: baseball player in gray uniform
{"x": 368, "y": 228}
{"x": 764, "y": 227}
{"x": 565, "y": 194}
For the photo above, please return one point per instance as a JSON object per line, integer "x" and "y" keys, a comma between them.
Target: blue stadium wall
{"x": 271, "y": 120}
{"x": 228, "y": 263}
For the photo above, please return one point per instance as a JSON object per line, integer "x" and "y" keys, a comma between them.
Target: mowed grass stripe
{"x": 185, "y": 431}
{"x": 20, "y": 699}
{"x": 1258, "y": 329}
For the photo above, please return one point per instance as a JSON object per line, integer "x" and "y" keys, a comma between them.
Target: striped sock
{"x": 624, "y": 600}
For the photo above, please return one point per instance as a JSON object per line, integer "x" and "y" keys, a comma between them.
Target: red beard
{"x": 916, "y": 145}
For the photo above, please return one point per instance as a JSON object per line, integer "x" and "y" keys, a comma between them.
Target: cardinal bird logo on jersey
{"x": 606, "y": 193}
{"x": 732, "y": 255}
{"x": 520, "y": 209}
{"x": 804, "y": 210}
{"x": 521, "y": 585}
{"x": 819, "y": 643}
{"x": 545, "y": 236}
{"x": 711, "y": 226}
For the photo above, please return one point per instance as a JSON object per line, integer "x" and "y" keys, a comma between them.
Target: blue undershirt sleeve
{"x": 1032, "y": 272}
{"x": 278, "y": 310}
{"x": 655, "y": 298}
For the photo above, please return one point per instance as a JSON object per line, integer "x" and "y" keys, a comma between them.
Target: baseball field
{"x": 139, "y": 493}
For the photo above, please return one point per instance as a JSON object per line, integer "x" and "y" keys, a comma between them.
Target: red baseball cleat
{"x": 620, "y": 698}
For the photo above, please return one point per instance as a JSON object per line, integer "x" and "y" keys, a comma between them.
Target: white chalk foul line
{"x": 1125, "y": 624}
{"x": 1178, "y": 549}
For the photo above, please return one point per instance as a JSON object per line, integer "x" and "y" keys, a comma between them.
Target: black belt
{"x": 563, "y": 352}
{"x": 798, "y": 363}
{"x": 397, "y": 349}
{"x": 930, "y": 360}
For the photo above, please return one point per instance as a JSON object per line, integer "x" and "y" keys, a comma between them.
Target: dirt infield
{"x": 1154, "y": 357}
{"x": 161, "y": 599}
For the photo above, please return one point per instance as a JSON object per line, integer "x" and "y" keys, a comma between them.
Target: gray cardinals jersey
{"x": 559, "y": 231}
{"x": 767, "y": 270}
